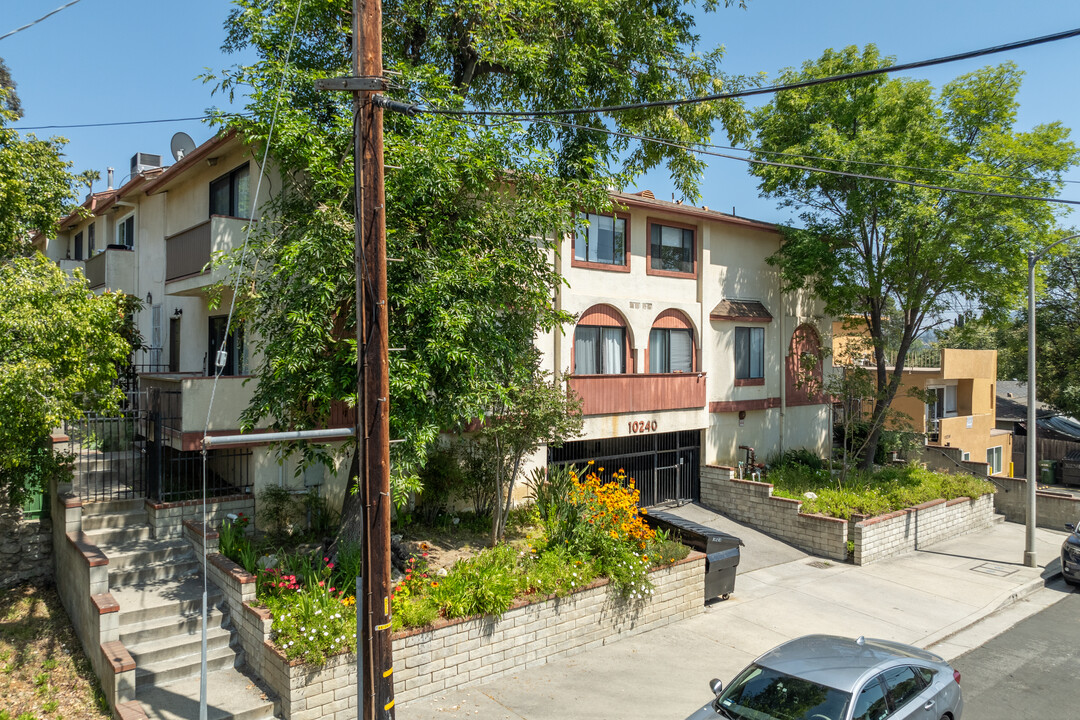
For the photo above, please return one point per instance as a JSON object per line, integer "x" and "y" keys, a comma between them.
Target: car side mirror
{"x": 1070, "y": 527}
{"x": 716, "y": 686}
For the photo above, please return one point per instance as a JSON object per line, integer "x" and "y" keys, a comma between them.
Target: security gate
{"x": 664, "y": 466}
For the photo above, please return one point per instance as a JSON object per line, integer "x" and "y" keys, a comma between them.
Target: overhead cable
{"x": 35, "y": 22}
{"x": 809, "y": 168}
{"x": 771, "y": 88}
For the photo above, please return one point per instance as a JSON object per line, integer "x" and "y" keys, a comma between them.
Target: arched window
{"x": 804, "y": 372}
{"x": 600, "y": 342}
{"x": 671, "y": 343}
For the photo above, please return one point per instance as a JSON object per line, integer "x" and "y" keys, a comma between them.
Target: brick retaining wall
{"x": 909, "y": 529}
{"x": 753, "y": 503}
{"x": 459, "y": 653}
{"x": 1052, "y": 509}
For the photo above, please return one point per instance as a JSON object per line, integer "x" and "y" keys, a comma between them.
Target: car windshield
{"x": 763, "y": 694}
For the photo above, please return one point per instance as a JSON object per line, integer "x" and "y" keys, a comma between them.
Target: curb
{"x": 1004, "y": 600}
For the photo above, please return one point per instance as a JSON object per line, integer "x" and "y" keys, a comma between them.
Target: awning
{"x": 741, "y": 311}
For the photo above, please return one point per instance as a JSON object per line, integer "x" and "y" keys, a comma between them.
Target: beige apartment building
{"x": 685, "y": 350}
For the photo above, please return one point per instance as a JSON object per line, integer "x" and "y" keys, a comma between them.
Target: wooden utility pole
{"x": 373, "y": 419}
{"x": 375, "y": 661}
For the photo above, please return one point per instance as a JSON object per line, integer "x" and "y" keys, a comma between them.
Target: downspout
{"x": 780, "y": 351}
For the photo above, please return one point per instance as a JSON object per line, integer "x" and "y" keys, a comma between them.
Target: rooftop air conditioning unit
{"x": 144, "y": 161}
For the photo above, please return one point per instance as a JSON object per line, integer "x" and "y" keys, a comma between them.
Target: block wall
{"x": 1052, "y": 509}
{"x": 25, "y": 547}
{"x": 909, "y": 529}
{"x": 167, "y": 519}
{"x": 753, "y": 503}
{"x": 465, "y": 652}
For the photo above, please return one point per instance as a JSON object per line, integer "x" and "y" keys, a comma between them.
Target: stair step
{"x": 170, "y": 626}
{"x": 165, "y": 651}
{"x": 163, "y": 599}
{"x": 126, "y": 518}
{"x": 230, "y": 695}
{"x": 177, "y": 668}
{"x": 109, "y": 507}
{"x": 150, "y": 574}
{"x": 119, "y": 534}
{"x": 139, "y": 552}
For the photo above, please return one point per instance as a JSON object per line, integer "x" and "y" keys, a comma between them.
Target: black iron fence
{"x": 179, "y": 475}
{"x": 108, "y": 452}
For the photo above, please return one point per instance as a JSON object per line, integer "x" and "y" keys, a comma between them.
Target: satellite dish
{"x": 181, "y": 145}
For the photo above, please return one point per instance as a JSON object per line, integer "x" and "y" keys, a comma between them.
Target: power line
{"x": 969, "y": 173}
{"x": 35, "y": 22}
{"x": 118, "y": 123}
{"x": 771, "y": 88}
{"x": 809, "y": 168}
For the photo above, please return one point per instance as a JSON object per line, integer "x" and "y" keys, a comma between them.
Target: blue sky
{"x": 114, "y": 60}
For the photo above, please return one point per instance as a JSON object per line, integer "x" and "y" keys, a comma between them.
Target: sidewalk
{"x": 925, "y": 598}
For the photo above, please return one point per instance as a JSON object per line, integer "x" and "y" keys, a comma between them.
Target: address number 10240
{"x": 641, "y": 426}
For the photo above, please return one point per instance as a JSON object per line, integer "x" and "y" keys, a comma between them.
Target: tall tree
{"x": 35, "y": 182}
{"x": 473, "y": 208}
{"x": 60, "y": 348}
{"x": 892, "y": 254}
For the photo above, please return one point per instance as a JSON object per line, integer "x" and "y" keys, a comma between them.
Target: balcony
{"x": 114, "y": 269}
{"x": 638, "y": 392}
{"x": 182, "y": 400}
{"x": 187, "y": 253}
{"x": 70, "y": 266}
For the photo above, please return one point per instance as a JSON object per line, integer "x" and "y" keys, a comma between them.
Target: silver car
{"x": 824, "y": 677}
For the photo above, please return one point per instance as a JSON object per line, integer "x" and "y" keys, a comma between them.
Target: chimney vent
{"x": 110, "y": 172}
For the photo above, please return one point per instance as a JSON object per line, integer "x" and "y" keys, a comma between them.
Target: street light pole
{"x": 1032, "y": 471}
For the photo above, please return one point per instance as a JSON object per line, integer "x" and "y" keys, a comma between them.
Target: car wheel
{"x": 725, "y": 596}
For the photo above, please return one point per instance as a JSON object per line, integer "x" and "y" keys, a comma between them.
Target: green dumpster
{"x": 1047, "y": 471}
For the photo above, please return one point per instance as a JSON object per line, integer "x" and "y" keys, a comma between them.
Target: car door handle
{"x": 929, "y": 704}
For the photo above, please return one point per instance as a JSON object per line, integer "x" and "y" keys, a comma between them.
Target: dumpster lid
{"x": 691, "y": 526}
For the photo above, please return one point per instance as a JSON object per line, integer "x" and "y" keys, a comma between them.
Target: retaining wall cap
{"x": 928, "y": 504}
{"x": 230, "y": 568}
{"x": 105, "y": 603}
{"x": 818, "y": 516}
{"x": 260, "y": 612}
{"x": 130, "y": 711}
{"x": 72, "y": 501}
{"x": 750, "y": 482}
{"x": 91, "y": 553}
{"x": 117, "y": 655}
{"x": 197, "y": 528}
{"x": 957, "y": 501}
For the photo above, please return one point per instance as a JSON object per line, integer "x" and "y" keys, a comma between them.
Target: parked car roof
{"x": 838, "y": 662}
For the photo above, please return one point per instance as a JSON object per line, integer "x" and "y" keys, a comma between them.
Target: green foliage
{"x": 442, "y": 477}
{"x": 60, "y": 349}
{"x": 280, "y": 512}
{"x": 311, "y": 624}
{"x": 803, "y": 457}
{"x": 481, "y": 585}
{"x": 888, "y": 489}
{"x": 892, "y": 256}
{"x": 35, "y": 182}
{"x": 472, "y": 209}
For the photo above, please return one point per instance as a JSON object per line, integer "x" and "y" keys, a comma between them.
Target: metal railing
{"x": 177, "y": 475}
{"x": 109, "y": 454}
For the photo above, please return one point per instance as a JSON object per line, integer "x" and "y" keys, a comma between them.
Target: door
{"x": 174, "y": 344}
{"x": 233, "y": 348}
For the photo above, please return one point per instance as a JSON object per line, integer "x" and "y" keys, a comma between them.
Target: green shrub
{"x": 481, "y": 585}
{"x": 279, "y": 512}
{"x": 311, "y": 623}
{"x": 802, "y": 457}
{"x": 885, "y": 490}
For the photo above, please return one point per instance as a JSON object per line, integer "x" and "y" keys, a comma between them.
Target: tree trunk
{"x": 498, "y": 494}
{"x": 504, "y": 512}
{"x": 352, "y": 507}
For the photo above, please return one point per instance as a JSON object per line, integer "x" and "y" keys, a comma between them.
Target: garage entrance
{"x": 664, "y": 466}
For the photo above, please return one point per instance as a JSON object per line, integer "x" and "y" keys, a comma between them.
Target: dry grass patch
{"x": 44, "y": 674}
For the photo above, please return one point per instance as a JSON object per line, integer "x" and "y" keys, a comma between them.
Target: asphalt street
{"x": 1029, "y": 671}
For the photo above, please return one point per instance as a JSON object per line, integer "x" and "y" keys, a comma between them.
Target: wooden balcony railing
{"x": 639, "y": 392}
{"x": 95, "y": 270}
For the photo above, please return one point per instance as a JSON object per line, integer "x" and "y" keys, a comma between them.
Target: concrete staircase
{"x": 159, "y": 585}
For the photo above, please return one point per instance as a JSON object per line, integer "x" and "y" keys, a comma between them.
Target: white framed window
{"x": 966, "y": 457}
{"x": 993, "y": 459}
{"x": 230, "y": 194}
{"x": 125, "y": 231}
{"x": 950, "y": 400}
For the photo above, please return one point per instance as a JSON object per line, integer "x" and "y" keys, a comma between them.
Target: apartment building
{"x": 685, "y": 349}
